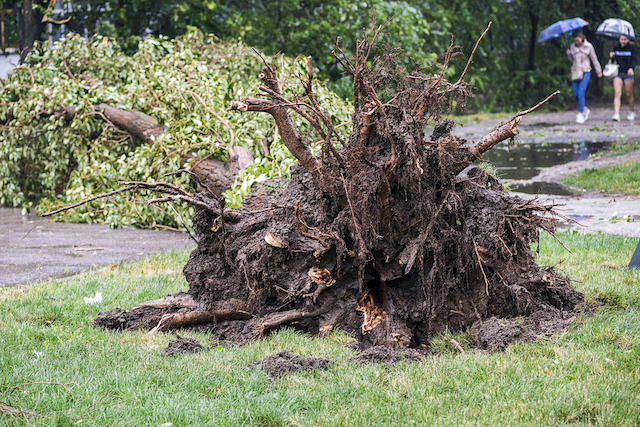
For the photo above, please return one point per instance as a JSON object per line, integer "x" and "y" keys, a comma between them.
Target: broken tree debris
{"x": 380, "y": 235}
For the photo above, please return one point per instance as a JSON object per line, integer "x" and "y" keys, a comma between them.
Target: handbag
{"x": 576, "y": 74}
{"x": 611, "y": 69}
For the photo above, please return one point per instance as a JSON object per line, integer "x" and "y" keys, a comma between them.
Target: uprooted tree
{"x": 381, "y": 235}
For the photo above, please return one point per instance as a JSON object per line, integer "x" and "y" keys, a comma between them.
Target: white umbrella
{"x": 616, "y": 27}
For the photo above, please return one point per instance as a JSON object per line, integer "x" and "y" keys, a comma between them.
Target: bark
{"x": 30, "y": 25}
{"x": 137, "y": 124}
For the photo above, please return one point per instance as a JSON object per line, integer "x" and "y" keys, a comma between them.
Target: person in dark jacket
{"x": 624, "y": 54}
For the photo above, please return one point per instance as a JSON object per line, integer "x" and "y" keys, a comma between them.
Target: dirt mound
{"x": 283, "y": 363}
{"x": 383, "y": 238}
{"x": 182, "y": 345}
{"x": 389, "y": 356}
{"x": 496, "y": 334}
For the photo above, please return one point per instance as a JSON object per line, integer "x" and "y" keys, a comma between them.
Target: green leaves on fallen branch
{"x": 51, "y": 158}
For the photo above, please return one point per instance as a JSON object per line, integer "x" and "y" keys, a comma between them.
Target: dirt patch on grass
{"x": 183, "y": 345}
{"x": 283, "y": 363}
{"x": 496, "y": 334}
{"x": 389, "y": 356}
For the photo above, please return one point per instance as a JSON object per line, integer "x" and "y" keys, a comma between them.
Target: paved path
{"x": 562, "y": 127}
{"x": 595, "y": 212}
{"x": 33, "y": 248}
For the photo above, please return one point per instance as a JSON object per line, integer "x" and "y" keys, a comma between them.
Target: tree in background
{"x": 511, "y": 70}
{"x": 30, "y": 26}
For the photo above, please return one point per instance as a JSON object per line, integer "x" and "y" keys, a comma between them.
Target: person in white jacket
{"x": 582, "y": 55}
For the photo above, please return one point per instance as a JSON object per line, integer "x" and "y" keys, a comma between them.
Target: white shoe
{"x": 586, "y": 113}
{"x": 580, "y": 118}
{"x": 616, "y": 117}
{"x": 631, "y": 116}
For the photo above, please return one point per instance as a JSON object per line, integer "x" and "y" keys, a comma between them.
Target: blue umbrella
{"x": 561, "y": 27}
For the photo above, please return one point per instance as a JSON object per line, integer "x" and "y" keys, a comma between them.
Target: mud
{"x": 182, "y": 345}
{"x": 496, "y": 334}
{"x": 283, "y": 363}
{"x": 388, "y": 356}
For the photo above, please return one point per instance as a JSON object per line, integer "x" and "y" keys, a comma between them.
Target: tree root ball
{"x": 479, "y": 267}
{"x": 392, "y": 238}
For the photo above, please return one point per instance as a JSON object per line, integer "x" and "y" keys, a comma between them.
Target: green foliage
{"x": 510, "y": 69}
{"x": 185, "y": 84}
{"x": 292, "y": 27}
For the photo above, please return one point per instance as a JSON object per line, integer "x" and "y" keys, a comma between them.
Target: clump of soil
{"x": 182, "y": 345}
{"x": 384, "y": 238}
{"x": 496, "y": 334}
{"x": 283, "y": 363}
{"x": 388, "y": 356}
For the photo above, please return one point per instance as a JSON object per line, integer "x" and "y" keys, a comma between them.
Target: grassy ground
{"x": 623, "y": 178}
{"x": 54, "y": 363}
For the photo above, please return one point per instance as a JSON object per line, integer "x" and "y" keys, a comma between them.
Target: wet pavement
{"x": 561, "y": 127}
{"x": 33, "y": 248}
{"x": 596, "y": 213}
{"x": 551, "y": 146}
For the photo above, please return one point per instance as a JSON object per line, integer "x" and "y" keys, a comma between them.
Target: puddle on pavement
{"x": 542, "y": 124}
{"x": 542, "y": 187}
{"x": 524, "y": 161}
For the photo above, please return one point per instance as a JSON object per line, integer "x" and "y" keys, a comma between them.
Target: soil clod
{"x": 389, "y": 356}
{"x": 182, "y": 345}
{"x": 496, "y": 334}
{"x": 283, "y": 363}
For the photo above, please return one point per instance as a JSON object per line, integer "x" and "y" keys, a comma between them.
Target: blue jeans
{"x": 579, "y": 88}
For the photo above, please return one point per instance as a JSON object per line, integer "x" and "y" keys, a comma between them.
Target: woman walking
{"x": 582, "y": 55}
{"x": 624, "y": 54}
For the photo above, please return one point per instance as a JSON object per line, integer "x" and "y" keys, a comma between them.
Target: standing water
{"x": 524, "y": 161}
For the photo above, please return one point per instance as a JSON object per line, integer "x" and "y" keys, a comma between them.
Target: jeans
{"x": 579, "y": 88}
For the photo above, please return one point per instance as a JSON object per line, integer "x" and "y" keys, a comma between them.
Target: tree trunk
{"x": 30, "y": 27}
{"x": 211, "y": 174}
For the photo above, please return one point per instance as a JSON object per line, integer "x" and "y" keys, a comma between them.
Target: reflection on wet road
{"x": 524, "y": 161}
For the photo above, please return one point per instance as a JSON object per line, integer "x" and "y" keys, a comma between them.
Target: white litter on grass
{"x": 95, "y": 300}
{"x": 38, "y": 353}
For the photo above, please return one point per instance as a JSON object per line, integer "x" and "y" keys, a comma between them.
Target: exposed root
{"x": 382, "y": 238}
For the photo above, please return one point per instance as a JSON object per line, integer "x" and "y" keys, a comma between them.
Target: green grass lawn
{"x": 56, "y": 369}
{"x": 623, "y": 178}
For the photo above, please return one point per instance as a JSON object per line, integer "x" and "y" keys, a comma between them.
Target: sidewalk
{"x": 562, "y": 127}
{"x": 35, "y": 248}
{"x": 595, "y": 212}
